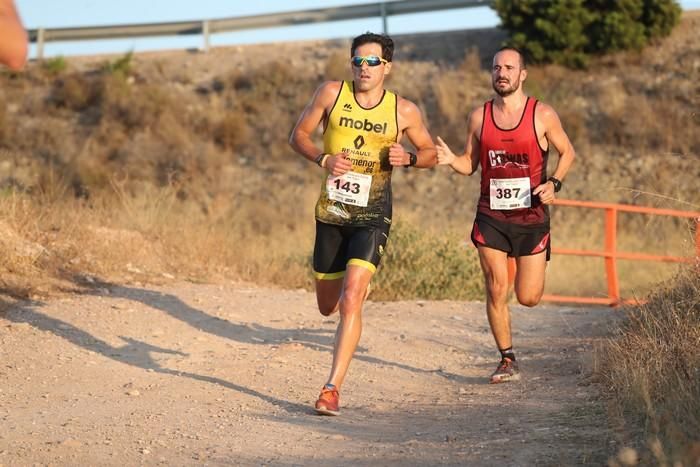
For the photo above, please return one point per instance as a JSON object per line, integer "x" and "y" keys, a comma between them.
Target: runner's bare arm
{"x": 315, "y": 113}
{"x": 558, "y": 138}
{"x": 312, "y": 116}
{"x": 467, "y": 163}
{"x": 13, "y": 37}
{"x": 411, "y": 124}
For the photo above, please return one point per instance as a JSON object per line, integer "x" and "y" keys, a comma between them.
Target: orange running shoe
{"x": 507, "y": 371}
{"x": 327, "y": 403}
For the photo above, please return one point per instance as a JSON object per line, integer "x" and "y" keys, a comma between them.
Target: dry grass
{"x": 650, "y": 370}
{"x": 153, "y": 236}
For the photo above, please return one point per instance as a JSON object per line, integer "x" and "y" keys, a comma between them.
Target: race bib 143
{"x": 349, "y": 188}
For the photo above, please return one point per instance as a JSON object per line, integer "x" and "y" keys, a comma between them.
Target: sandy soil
{"x": 196, "y": 374}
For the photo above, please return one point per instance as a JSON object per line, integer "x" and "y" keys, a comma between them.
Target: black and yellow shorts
{"x": 340, "y": 245}
{"x": 515, "y": 239}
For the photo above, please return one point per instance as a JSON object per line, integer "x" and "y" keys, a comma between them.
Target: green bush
{"x": 429, "y": 265}
{"x": 567, "y": 32}
{"x": 56, "y": 65}
{"x": 122, "y": 66}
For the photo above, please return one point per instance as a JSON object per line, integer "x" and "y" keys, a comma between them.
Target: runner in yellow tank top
{"x": 362, "y": 196}
{"x": 363, "y": 124}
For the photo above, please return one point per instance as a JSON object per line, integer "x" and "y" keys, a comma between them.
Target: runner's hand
{"x": 444, "y": 154}
{"x": 398, "y": 157}
{"x": 338, "y": 164}
{"x": 545, "y": 192}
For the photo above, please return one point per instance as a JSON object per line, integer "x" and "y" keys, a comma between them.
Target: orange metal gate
{"x": 610, "y": 252}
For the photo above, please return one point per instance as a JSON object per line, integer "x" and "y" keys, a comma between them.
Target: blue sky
{"x": 72, "y": 13}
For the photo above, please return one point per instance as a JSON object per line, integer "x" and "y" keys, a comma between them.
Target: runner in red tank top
{"x": 510, "y": 137}
{"x": 512, "y": 161}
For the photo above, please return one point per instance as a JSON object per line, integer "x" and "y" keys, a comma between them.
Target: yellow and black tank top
{"x": 363, "y": 195}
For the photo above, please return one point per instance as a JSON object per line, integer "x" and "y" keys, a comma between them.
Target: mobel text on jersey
{"x": 363, "y": 125}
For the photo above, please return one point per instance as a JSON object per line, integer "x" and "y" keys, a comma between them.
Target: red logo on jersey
{"x": 501, "y": 158}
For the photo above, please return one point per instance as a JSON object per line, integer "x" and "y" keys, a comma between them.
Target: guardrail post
{"x": 40, "y": 44}
{"x": 205, "y": 34}
{"x": 610, "y": 255}
{"x": 382, "y": 9}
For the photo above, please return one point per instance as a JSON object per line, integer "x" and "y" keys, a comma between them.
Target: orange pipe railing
{"x": 610, "y": 252}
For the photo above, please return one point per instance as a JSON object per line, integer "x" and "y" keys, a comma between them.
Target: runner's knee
{"x": 327, "y": 309}
{"x": 353, "y": 298}
{"x": 327, "y": 305}
{"x": 529, "y": 299}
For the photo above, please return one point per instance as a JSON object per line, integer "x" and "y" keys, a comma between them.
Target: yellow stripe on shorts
{"x": 328, "y": 276}
{"x": 363, "y": 264}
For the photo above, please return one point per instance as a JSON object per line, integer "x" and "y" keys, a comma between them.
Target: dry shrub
{"x": 273, "y": 104}
{"x": 445, "y": 88}
{"x": 456, "y": 93}
{"x": 4, "y": 127}
{"x": 232, "y": 131}
{"x": 472, "y": 61}
{"x": 337, "y": 66}
{"x": 650, "y": 370}
{"x": 135, "y": 107}
{"x": 76, "y": 92}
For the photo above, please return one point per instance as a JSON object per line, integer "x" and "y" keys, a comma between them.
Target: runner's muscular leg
{"x": 494, "y": 264}
{"x": 529, "y": 278}
{"x": 347, "y": 336}
{"x": 328, "y": 295}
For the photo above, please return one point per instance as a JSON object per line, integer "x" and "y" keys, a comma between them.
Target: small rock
{"x": 71, "y": 443}
{"x": 628, "y": 456}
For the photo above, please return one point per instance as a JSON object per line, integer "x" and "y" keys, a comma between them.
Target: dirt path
{"x": 195, "y": 374}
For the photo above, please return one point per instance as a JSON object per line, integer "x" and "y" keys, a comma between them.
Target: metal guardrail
{"x": 611, "y": 254}
{"x": 210, "y": 26}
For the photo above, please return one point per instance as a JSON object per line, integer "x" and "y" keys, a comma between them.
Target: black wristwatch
{"x": 412, "y": 159}
{"x": 556, "y": 182}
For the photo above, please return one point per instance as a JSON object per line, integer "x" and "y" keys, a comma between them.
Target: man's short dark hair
{"x": 521, "y": 54}
{"x": 370, "y": 38}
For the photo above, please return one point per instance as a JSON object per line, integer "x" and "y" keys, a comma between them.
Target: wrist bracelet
{"x": 320, "y": 158}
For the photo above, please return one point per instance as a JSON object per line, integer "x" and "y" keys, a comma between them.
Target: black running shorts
{"x": 339, "y": 245}
{"x": 515, "y": 239}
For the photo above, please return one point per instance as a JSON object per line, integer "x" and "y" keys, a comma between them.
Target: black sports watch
{"x": 556, "y": 182}
{"x": 412, "y": 159}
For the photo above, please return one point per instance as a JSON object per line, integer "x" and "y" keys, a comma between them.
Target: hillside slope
{"x": 205, "y": 136}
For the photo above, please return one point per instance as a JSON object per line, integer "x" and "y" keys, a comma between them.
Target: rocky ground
{"x": 197, "y": 374}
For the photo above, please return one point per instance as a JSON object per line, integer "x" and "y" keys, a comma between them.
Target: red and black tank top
{"x": 512, "y": 165}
